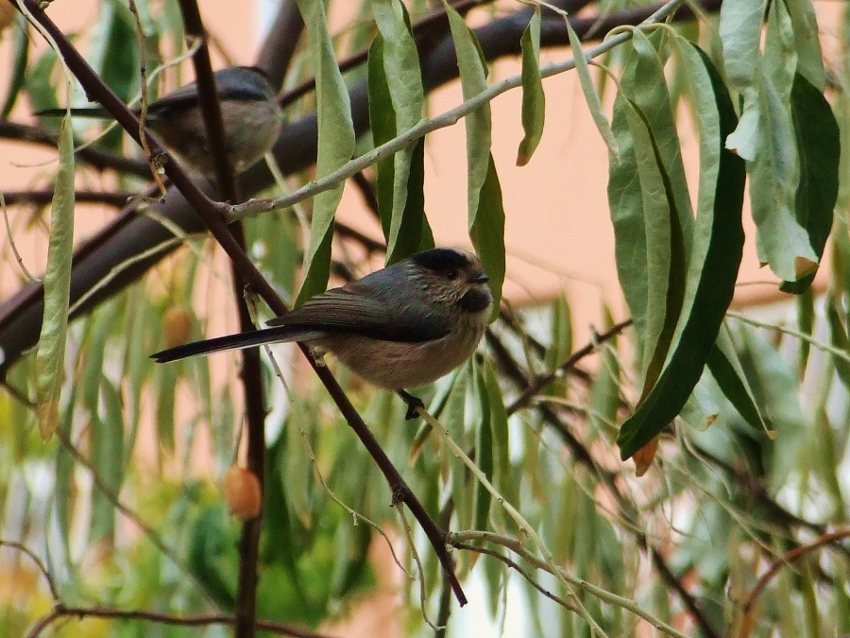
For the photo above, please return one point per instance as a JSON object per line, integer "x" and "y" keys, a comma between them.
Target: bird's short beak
{"x": 482, "y": 279}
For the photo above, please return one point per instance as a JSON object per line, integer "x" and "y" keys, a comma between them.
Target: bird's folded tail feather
{"x": 237, "y": 342}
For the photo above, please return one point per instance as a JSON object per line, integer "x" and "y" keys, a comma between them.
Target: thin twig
{"x": 542, "y": 381}
{"x": 161, "y": 618}
{"x": 602, "y": 594}
{"x": 54, "y": 592}
{"x": 785, "y": 560}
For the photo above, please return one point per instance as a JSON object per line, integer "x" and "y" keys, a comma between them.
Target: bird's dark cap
{"x": 442, "y": 259}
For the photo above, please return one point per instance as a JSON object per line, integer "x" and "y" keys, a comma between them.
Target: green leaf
{"x": 838, "y": 338}
{"x": 605, "y": 392}
{"x": 453, "y": 418}
{"x": 740, "y": 33}
{"x": 336, "y": 144}
{"x": 807, "y": 40}
{"x": 499, "y": 428}
{"x": 413, "y": 233}
{"x": 50, "y": 356}
{"x": 625, "y": 201}
{"x": 486, "y": 215}
{"x": 727, "y": 372}
{"x": 561, "y": 342}
{"x": 533, "y": 97}
{"x": 403, "y": 217}
{"x": 722, "y": 361}
{"x": 487, "y": 232}
{"x": 666, "y": 261}
{"x": 41, "y": 88}
{"x": 19, "y": 66}
{"x": 115, "y": 55}
{"x": 107, "y": 457}
{"x": 594, "y": 103}
{"x": 644, "y": 82}
{"x": 484, "y": 448}
{"x": 166, "y": 384}
{"x": 719, "y": 237}
{"x": 819, "y": 151}
{"x": 805, "y": 325}
{"x": 781, "y": 241}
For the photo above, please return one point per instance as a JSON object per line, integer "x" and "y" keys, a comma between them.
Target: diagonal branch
{"x": 211, "y": 214}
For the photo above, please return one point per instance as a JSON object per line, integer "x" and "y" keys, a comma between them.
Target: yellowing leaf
{"x": 50, "y": 355}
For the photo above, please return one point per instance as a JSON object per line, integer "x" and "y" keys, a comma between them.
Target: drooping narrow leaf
{"x": 407, "y": 230}
{"x": 740, "y": 33}
{"x": 697, "y": 331}
{"x": 779, "y": 59}
{"x": 781, "y": 241}
{"x": 484, "y": 196}
{"x": 561, "y": 340}
{"x": 726, "y": 369}
{"x": 484, "y": 448}
{"x": 666, "y": 261}
{"x": 107, "y": 457}
{"x": 41, "y": 89}
{"x": 722, "y": 361}
{"x": 594, "y": 103}
{"x": 336, "y": 144}
{"x": 382, "y": 123}
{"x": 625, "y": 201}
{"x": 838, "y": 338}
{"x": 414, "y": 233}
{"x": 807, "y": 39}
{"x": 50, "y": 356}
{"x": 644, "y": 82}
{"x": 487, "y": 232}
{"x": 499, "y": 428}
{"x": 19, "y": 66}
{"x": 453, "y": 418}
{"x": 805, "y": 325}
{"x": 114, "y": 54}
{"x": 818, "y": 148}
{"x": 605, "y": 392}
{"x": 533, "y": 97}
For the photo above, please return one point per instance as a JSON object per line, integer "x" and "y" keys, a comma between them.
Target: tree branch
{"x": 62, "y": 611}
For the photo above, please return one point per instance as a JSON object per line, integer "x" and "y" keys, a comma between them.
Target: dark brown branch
{"x": 367, "y": 192}
{"x": 62, "y": 611}
{"x": 276, "y": 54}
{"x": 96, "y": 158}
{"x": 118, "y": 199}
{"x": 251, "y": 374}
{"x": 211, "y": 214}
{"x": 295, "y": 150}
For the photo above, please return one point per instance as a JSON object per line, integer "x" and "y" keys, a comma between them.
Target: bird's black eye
{"x": 452, "y": 274}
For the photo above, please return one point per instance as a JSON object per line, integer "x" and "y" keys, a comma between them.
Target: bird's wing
{"x": 369, "y": 309}
{"x": 231, "y": 83}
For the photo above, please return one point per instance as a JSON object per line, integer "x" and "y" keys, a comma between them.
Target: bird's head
{"x": 457, "y": 277}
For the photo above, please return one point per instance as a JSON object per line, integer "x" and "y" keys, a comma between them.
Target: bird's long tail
{"x": 237, "y": 342}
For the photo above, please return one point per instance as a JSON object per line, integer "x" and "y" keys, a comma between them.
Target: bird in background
{"x": 403, "y": 326}
{"x": 251, "y": 115}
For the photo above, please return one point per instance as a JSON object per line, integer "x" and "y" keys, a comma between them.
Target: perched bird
{"x": 251, "y": 116}
{"x": 403, "y": 326}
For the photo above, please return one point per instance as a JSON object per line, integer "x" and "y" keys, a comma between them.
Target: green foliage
{"x": 749, "y": 411}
